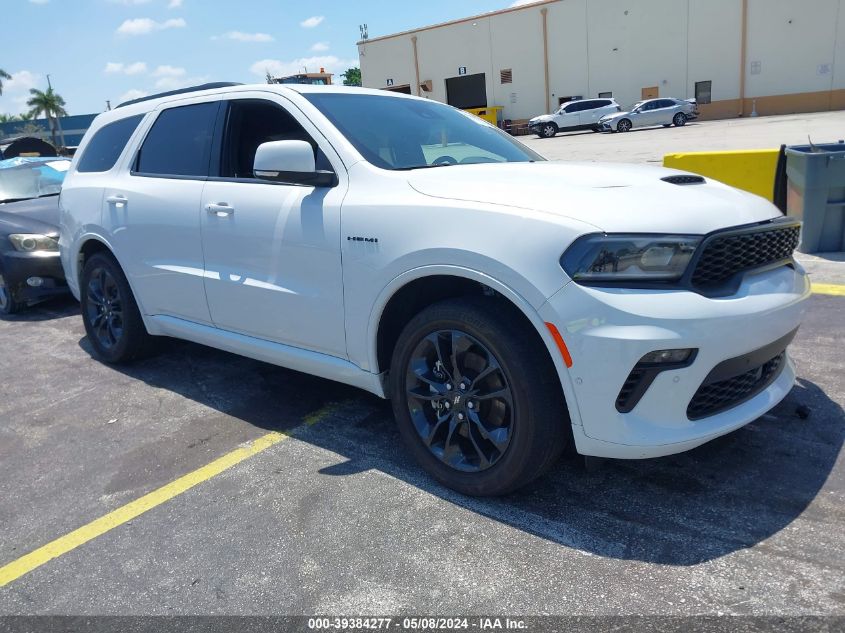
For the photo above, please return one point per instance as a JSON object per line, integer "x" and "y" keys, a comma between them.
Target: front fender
{"x": 527, "y": 307}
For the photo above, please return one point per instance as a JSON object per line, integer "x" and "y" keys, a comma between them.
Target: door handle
{"x": 117, "y": 200}
{"x": 221, "y": 210}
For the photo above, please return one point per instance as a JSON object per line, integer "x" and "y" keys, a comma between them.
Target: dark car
{"x": 30, "y": 268}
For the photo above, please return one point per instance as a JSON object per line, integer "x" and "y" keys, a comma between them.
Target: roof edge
{"x": 478, "y": 16}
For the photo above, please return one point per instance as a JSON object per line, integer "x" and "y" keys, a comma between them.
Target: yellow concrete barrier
{"x": 750, "y": 170}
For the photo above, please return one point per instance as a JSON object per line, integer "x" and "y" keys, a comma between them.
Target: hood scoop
{"x": 684, "y": 179}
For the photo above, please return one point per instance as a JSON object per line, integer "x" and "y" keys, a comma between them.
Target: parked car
{"x": 651, "y": 113}
{"x": 583, "y": 114}
{"x": 30, "y": 268}
{"x": 505, "y": 304}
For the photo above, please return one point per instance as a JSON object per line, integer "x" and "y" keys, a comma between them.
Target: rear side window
{"x": 105, "y": 148}
{"x": 179, "y": 143}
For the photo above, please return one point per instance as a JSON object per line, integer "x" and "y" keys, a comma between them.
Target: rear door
{"x": 272, "y": 250}
{"x": 152, "y": 210}
{"x": 593, "y": 111}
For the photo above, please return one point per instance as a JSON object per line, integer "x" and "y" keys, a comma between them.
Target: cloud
{"x": 113, "y": 68}
{"x": 129, "y": 95}
{"x": 144, "y": 26}
{"x": 279, "y": 68}
{"x": 39, "y": 1}
{"x": 311, "y": 22}
{"x": 320, "y": 47}
{"x": 244, "y": 37}
{"x": 174, "y": 4}
{"x": 169, "y": 71}
{"x": 16, "y": 90}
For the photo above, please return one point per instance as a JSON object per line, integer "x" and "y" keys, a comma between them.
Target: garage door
{"x": 469, "y": 91}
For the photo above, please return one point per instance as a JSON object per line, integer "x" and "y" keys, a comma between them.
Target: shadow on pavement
{"x": 725, "y": 496}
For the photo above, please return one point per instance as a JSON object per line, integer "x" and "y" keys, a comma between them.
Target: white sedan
{"x": 507, "y": 305}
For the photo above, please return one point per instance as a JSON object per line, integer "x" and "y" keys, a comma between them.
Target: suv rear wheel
{"x": 112, "y": 320}
{"x": 476, "y": 397}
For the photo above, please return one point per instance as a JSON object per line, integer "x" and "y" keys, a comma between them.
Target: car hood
{"x": 542, "y": 118}
{"x": 39, "y": 215}
{"x": 611, "y": 197}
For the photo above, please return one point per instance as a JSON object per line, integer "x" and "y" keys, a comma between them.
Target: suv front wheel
{"x": 476, "y": 397}
{"x": 548, "y": 130}
{"x": 112, "y": 320}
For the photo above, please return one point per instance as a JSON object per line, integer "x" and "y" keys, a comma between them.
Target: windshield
{"x": 401, "y": 133}
{"x": 21, "y": 179}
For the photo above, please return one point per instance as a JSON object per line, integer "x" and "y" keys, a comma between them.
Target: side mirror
{"x": 290, "y": 162}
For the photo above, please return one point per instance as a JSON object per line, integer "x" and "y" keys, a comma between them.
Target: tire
{"x": 548, "y": 130}
{"x": 512, "y": 433}
{"x": 680, "y": 119}
{"x": 112, "y": 320}
{"x": 9, "y": 305}
{"x": 624, "y": 125}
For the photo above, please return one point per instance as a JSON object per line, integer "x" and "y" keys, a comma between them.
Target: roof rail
{"x": 170, "y": 93}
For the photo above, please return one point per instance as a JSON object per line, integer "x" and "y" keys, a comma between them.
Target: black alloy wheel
{"x": 104, "y": 308}
{"x": 476, "y": 396}
{"x": 110, "y": 314}
{"x": 459, "y": 400}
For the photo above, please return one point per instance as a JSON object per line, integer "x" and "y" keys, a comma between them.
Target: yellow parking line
{"x": 835, "y": 290}
{"x": 98, "y": 527}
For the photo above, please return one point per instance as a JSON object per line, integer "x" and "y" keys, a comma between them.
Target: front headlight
{"x": 31, "y": 242}
{"x": 629, "y": 259}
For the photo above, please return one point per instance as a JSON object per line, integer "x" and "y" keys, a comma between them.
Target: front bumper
{"x": 605, "y": 126}
{"x": 16, "y": 267}
{"x": 607, "y": 331}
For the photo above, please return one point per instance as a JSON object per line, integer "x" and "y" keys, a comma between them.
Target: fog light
{"x": 35, "y": 282}
{"x": 665, "y": 356}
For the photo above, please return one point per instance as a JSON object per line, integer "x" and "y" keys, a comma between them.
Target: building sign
{"x": 824, "y": 69}
{"x": 389, "y": 82}
{"x": 462, "y": 70}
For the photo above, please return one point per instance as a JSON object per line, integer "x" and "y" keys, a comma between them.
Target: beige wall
{"x": 623, "y": 46}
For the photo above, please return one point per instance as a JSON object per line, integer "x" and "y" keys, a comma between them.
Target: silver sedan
{"x": 650, "y": 113}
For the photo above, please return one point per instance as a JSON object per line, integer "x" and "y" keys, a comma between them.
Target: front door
{"x": 272, "y": 251}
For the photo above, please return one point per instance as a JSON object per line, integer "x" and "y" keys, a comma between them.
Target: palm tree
{"x": 3, "y": 75}
{"x": 51, "y": 104}
{"x": 8, "y": 118}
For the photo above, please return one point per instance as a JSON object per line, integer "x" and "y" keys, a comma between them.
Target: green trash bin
{"x": 816, "y": 195}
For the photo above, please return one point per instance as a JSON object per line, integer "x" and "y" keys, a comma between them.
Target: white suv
{"x": 506, "y": 305}
{"x": 583, "y": 114}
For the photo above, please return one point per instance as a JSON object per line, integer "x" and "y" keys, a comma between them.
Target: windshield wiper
{"x": 47, "y": 195}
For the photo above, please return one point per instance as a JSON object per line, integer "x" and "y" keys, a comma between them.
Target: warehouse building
{"x": 735, "y": 56}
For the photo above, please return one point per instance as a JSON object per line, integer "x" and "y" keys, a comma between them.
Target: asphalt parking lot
{"x": 315, "y": 507}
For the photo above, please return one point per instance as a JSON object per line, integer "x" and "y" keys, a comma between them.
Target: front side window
{"x": 403, "y": 133}
{"x": 179, "y": 143}
{"x": 251, "y": 122}
{"x": 107, "y": 145}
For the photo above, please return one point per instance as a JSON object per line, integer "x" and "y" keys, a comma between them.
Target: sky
{"x": 99, "y": 50}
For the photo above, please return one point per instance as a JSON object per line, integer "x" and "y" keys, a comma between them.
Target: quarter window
{"x": 105, "y": 148}
{"x": 179, "y": 142}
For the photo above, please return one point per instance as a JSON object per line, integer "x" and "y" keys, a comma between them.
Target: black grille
{"x": 715, "y": 397}
{"x": 725, "y": 256}
{"x": 684, "y": 180}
